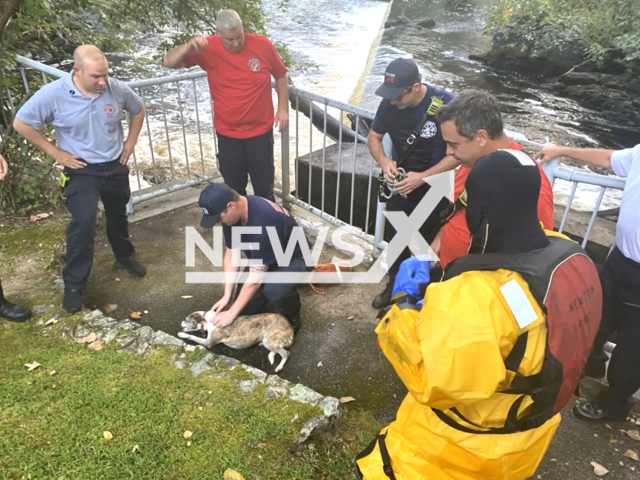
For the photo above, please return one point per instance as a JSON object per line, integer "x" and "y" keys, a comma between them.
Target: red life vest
{"x": 565, "y": 283}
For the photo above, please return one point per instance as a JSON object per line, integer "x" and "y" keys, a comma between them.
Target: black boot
{"x": 295, "y": 323}
{"x": 72, "y": 301}
{"x": 13, "y": 312}
{"x": 593, "y": 411}
{"x": 132, "y": 266}
{"x": 383, "y": 299}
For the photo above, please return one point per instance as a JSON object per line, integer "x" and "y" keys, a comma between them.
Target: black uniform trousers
{"x": 249, "y": 157}
{"x": 2, "y": 299}
{"x": 620, "y": 278}
{"x": 429, "y": 229}
{"x": 106, "y": 181}
{"x": 284, "y": 297}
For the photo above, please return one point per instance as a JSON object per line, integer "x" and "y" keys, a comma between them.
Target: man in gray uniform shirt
{"x": 85, "y": 109}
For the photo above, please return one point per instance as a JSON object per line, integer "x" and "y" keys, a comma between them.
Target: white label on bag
{"x": 519, "y": 303}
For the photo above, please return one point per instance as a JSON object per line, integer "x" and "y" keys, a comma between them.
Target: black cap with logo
{"x": 400, "y": 74}
{"x": 213, "y": 201}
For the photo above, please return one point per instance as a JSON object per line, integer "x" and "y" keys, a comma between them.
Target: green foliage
{"x": 49, "y": 31}
{"x": 598, "y": 27}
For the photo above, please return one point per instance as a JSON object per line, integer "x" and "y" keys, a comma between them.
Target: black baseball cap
{"x": 213, "y": 201}
{"x": 400, "y": 74}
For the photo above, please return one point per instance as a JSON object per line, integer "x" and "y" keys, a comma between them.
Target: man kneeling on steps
{"x": 499, "y": 345}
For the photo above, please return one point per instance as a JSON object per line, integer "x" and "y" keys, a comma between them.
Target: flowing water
{"x": 348, "y": 42}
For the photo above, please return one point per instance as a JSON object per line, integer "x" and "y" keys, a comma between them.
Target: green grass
{"x": 51, "y": 427}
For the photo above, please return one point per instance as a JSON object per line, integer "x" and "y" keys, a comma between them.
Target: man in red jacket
{"x": 240, "y": 66}
{"x": 472, "y": 128}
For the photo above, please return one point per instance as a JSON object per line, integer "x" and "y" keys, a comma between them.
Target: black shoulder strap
{"x": 429, "y": 112}
{"x": 535, "y": 267}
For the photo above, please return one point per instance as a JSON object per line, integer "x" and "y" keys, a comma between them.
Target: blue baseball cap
{"x": 213, "y": 201}
{"x": 400, "y": 74}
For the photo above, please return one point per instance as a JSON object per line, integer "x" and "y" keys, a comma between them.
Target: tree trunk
{"x": 7, "y": 10}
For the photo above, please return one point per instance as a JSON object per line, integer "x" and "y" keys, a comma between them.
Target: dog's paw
{"x": 182, "y": 335}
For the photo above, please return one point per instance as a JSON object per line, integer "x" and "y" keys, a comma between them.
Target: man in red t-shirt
{"x": 239, "y": 66}
{"x": 472, "y": 128}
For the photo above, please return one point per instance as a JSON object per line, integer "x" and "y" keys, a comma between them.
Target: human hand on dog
{"x": 220, "y": 305}
{"x": 224, "y": 319}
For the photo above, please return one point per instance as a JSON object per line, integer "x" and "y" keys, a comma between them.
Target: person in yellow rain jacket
{"x": 497, "y": 348}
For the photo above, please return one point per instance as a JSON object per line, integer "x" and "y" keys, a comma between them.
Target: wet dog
{"x": 271, "y": 330}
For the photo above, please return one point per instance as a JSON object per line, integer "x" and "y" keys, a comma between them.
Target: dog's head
{"x": 195, "y": 322}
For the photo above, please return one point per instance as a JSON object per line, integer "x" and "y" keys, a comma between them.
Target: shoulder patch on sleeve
{"x": 519, "y": 303}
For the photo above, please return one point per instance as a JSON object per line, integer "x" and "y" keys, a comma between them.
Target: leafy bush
{"x": 601, "y": 28}
{"x": 49, "y": 31}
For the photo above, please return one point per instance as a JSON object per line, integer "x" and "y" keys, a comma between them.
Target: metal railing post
{"x": 387, "y": 146}
{"x": 550, "y": 168}
{"x": 284, "y": 153}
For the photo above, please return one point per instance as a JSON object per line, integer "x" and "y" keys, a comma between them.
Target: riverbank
{"x": 577, "y": 50}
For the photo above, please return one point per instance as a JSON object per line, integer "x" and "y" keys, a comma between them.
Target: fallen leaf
{"x": 107, "y": 436}
{"x": 146, "y": 311}
{"x": 621, "y": 463}
{"x": 608, "y": 426}
{"x": 110, "y": 308}
{"x": 136, "y": 315}
{"x": 347, "y": 399}
{"x": 230, "y": 474}
{"x": 633, "y": 469}
{"x": 598, "y": 469}
{"x": 554, "y": 460}
{"x": 613, "y": 441}
{"x": 187, "y": 435}
{"x": 319, "y": 364}
{"x": 262, "y": 446}
{"x": 633, "y": 434}
{"x": 351, "y": 317}
{"x": 32, "y": 366}
{"x": 38, "y": 217}
{"x": 54, "y": 386}
{"x": 187, "y": 296}
{"x": 88, "y": 339}
{"x": 350, "y": 439}
{"x": 135, "y": 449}
{"x": 189, "y": 443}
{"x": 51, "y": 321}
{"x": 52, "y": 373}
{"x": 632, "y": 455}
{"x": 117, "y": 279}
{"x": 95, "y": 346}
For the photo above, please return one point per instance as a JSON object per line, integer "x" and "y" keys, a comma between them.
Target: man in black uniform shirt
{"x": 408, "y": 108}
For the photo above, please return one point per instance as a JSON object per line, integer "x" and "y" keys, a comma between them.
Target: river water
{"x": 348, "y": 42}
